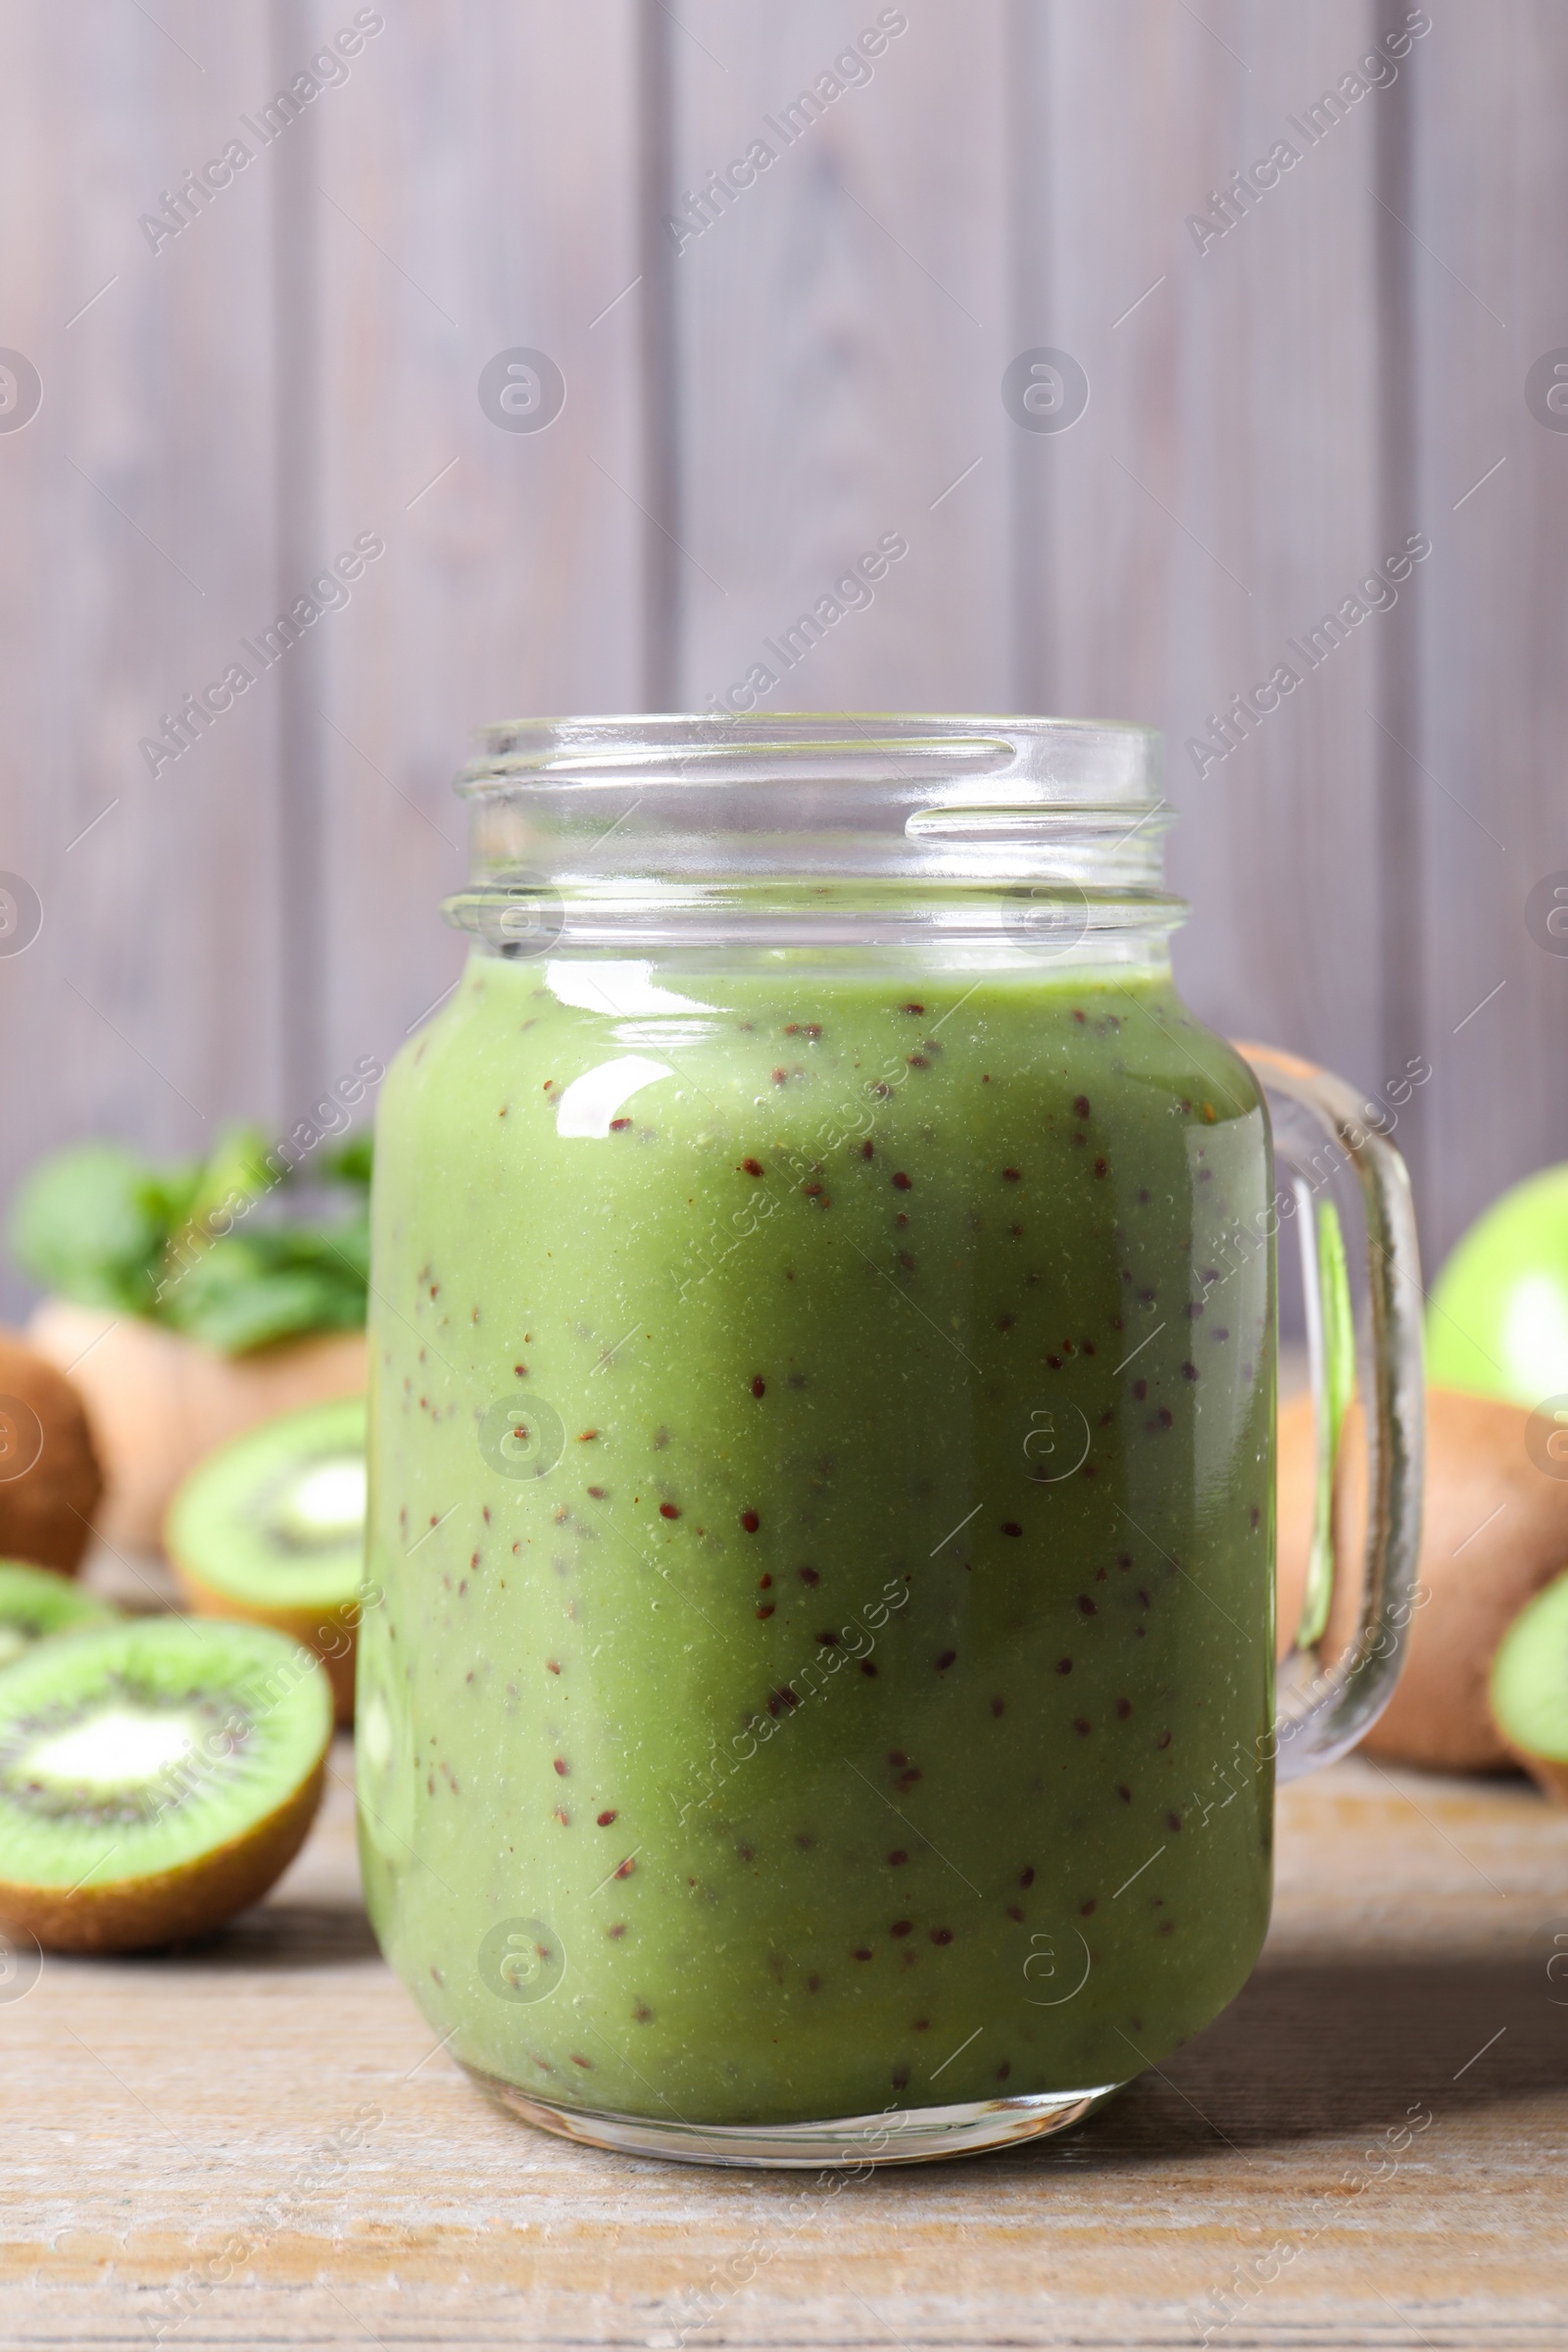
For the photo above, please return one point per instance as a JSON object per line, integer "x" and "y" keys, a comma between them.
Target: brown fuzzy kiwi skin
{"x": 329, "y": 1633}
{"x": 172, "y": 1906}
{"x": 46, "y": 1514}
{"x": 1495, "y": 1530}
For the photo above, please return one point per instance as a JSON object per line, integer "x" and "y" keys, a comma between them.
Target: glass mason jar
{"x": 816, "y": 1692}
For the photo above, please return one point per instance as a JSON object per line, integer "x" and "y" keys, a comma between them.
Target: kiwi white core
{"x": 114, "y": 1748}
{"x": 326, "y": 1502}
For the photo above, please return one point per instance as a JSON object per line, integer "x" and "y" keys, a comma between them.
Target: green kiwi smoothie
{"x": 819, "y": 1636}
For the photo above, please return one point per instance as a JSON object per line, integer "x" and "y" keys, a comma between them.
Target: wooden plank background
{"x": 1268, "y": 418}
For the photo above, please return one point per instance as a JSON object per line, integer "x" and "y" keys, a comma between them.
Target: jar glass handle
{"x": 1334, "y": 1703}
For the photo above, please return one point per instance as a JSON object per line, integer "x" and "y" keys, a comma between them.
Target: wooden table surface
{"x": 260, "y": 2144}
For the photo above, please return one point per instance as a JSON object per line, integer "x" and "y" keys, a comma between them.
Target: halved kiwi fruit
{"x": 156, "y": 1777}
{"x": 36, "y": 1602}
{"x": 270, "y": 1528}
{"x": 1528, "y": 1688}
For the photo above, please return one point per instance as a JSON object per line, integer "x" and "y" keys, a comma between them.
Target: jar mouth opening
{"x": 650, "y": 827}
{"x": 1046, "y": 759}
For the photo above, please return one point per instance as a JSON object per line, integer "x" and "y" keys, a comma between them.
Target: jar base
{"x": 902, "y": 2135}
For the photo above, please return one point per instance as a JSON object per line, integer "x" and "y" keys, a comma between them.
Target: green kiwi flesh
{"x": 156, "y": 1776}
{"x": 36, "y": 1602}
{"x": 275, "y": 1520}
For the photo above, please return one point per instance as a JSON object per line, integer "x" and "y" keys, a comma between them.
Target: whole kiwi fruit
{"x": 50, "y": 1481}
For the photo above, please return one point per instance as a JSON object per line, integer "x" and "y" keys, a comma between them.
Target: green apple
{"x": 1497, "y": 1317}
